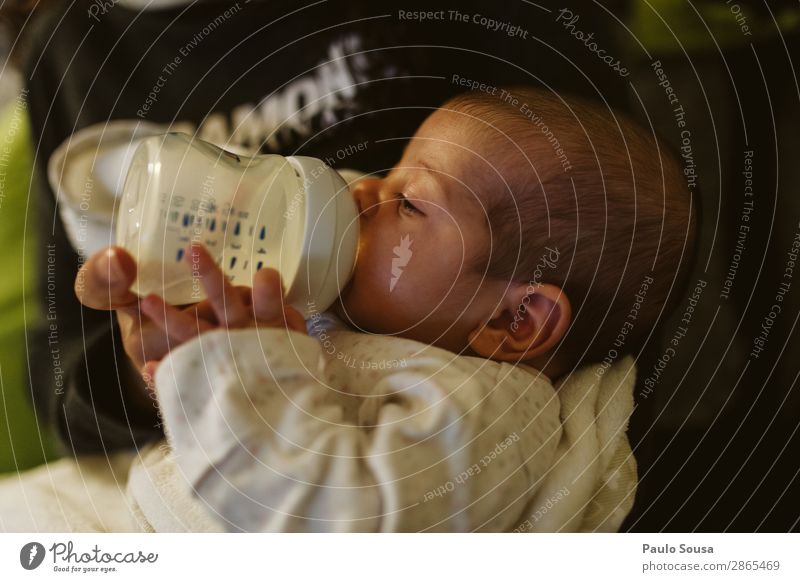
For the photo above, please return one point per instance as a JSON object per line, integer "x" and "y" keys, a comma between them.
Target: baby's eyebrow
{"x": 445, "y": 197}
{"x": 427, "y": 166}
{"x": 442, "y": 198}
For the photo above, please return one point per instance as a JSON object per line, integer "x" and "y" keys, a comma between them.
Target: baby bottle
{"x": 294, "y": 214}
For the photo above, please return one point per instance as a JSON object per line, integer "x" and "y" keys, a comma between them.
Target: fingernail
{"x": 115, "y": 270}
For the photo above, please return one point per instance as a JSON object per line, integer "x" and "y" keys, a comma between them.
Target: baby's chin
{"x": 338, "y": 310}
{"x": 355, "y": 310}
{"x": 352, "y": 302}
{"x": 341, "y": 310}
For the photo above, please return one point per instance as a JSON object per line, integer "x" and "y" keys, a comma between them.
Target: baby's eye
{"x": 405, "y": 205}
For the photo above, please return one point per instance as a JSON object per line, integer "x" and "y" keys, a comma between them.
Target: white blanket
{"x": 586, "y": 482}
{"x": 70, "y": 495}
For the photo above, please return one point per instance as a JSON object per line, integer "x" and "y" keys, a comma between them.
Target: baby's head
{"x": 523, "y": 226}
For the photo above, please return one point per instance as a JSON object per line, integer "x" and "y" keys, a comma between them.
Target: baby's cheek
{"x": 421, "y": 290}
{"x": 395, "y": 288}
{"x": 367, "y": 299}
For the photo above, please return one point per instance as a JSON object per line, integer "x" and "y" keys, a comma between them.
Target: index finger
{"x": 224, "y": 298}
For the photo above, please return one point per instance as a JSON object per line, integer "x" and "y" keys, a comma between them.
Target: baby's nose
{"x": 367, "y": 195}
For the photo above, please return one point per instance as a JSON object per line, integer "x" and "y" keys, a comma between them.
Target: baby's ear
{"x": 533, "y": 320}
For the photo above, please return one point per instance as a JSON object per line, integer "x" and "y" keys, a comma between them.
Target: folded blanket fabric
{"x": 244, "y": 456}
{"x": 159, "y": 498}
{"x": 592, "y": 483}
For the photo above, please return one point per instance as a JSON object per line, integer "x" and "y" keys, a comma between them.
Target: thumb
{"x": 105, "y": 279}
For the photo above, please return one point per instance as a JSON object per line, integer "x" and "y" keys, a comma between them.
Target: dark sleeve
{"x": 77, "y": 364}
{"x": 91, "y": 414}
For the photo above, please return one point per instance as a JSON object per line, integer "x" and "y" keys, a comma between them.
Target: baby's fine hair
{"x": 594, "y": 204}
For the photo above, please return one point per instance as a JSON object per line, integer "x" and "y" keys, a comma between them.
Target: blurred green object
{"x": 667, "y": 26}
{"x": 24, "y": 442}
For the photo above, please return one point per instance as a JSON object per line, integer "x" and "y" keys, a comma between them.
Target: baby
{"x": 521, "y": 235}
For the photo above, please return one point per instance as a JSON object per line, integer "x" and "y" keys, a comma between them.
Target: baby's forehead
{"x": 455, "y": 140}
{"x": 496, "y": 157}
{"x": 510, "y": 143}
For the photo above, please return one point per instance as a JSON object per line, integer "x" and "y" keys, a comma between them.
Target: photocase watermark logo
{"x": 402, "y": 255}
{"x": 549, "y": 260}
{"x": 68, "y": 558}
{"x": 100, "y": 7}
{"x": 31, "y": 555}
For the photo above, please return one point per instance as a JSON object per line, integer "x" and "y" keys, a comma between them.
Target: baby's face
{"x": 423, "y": 228}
